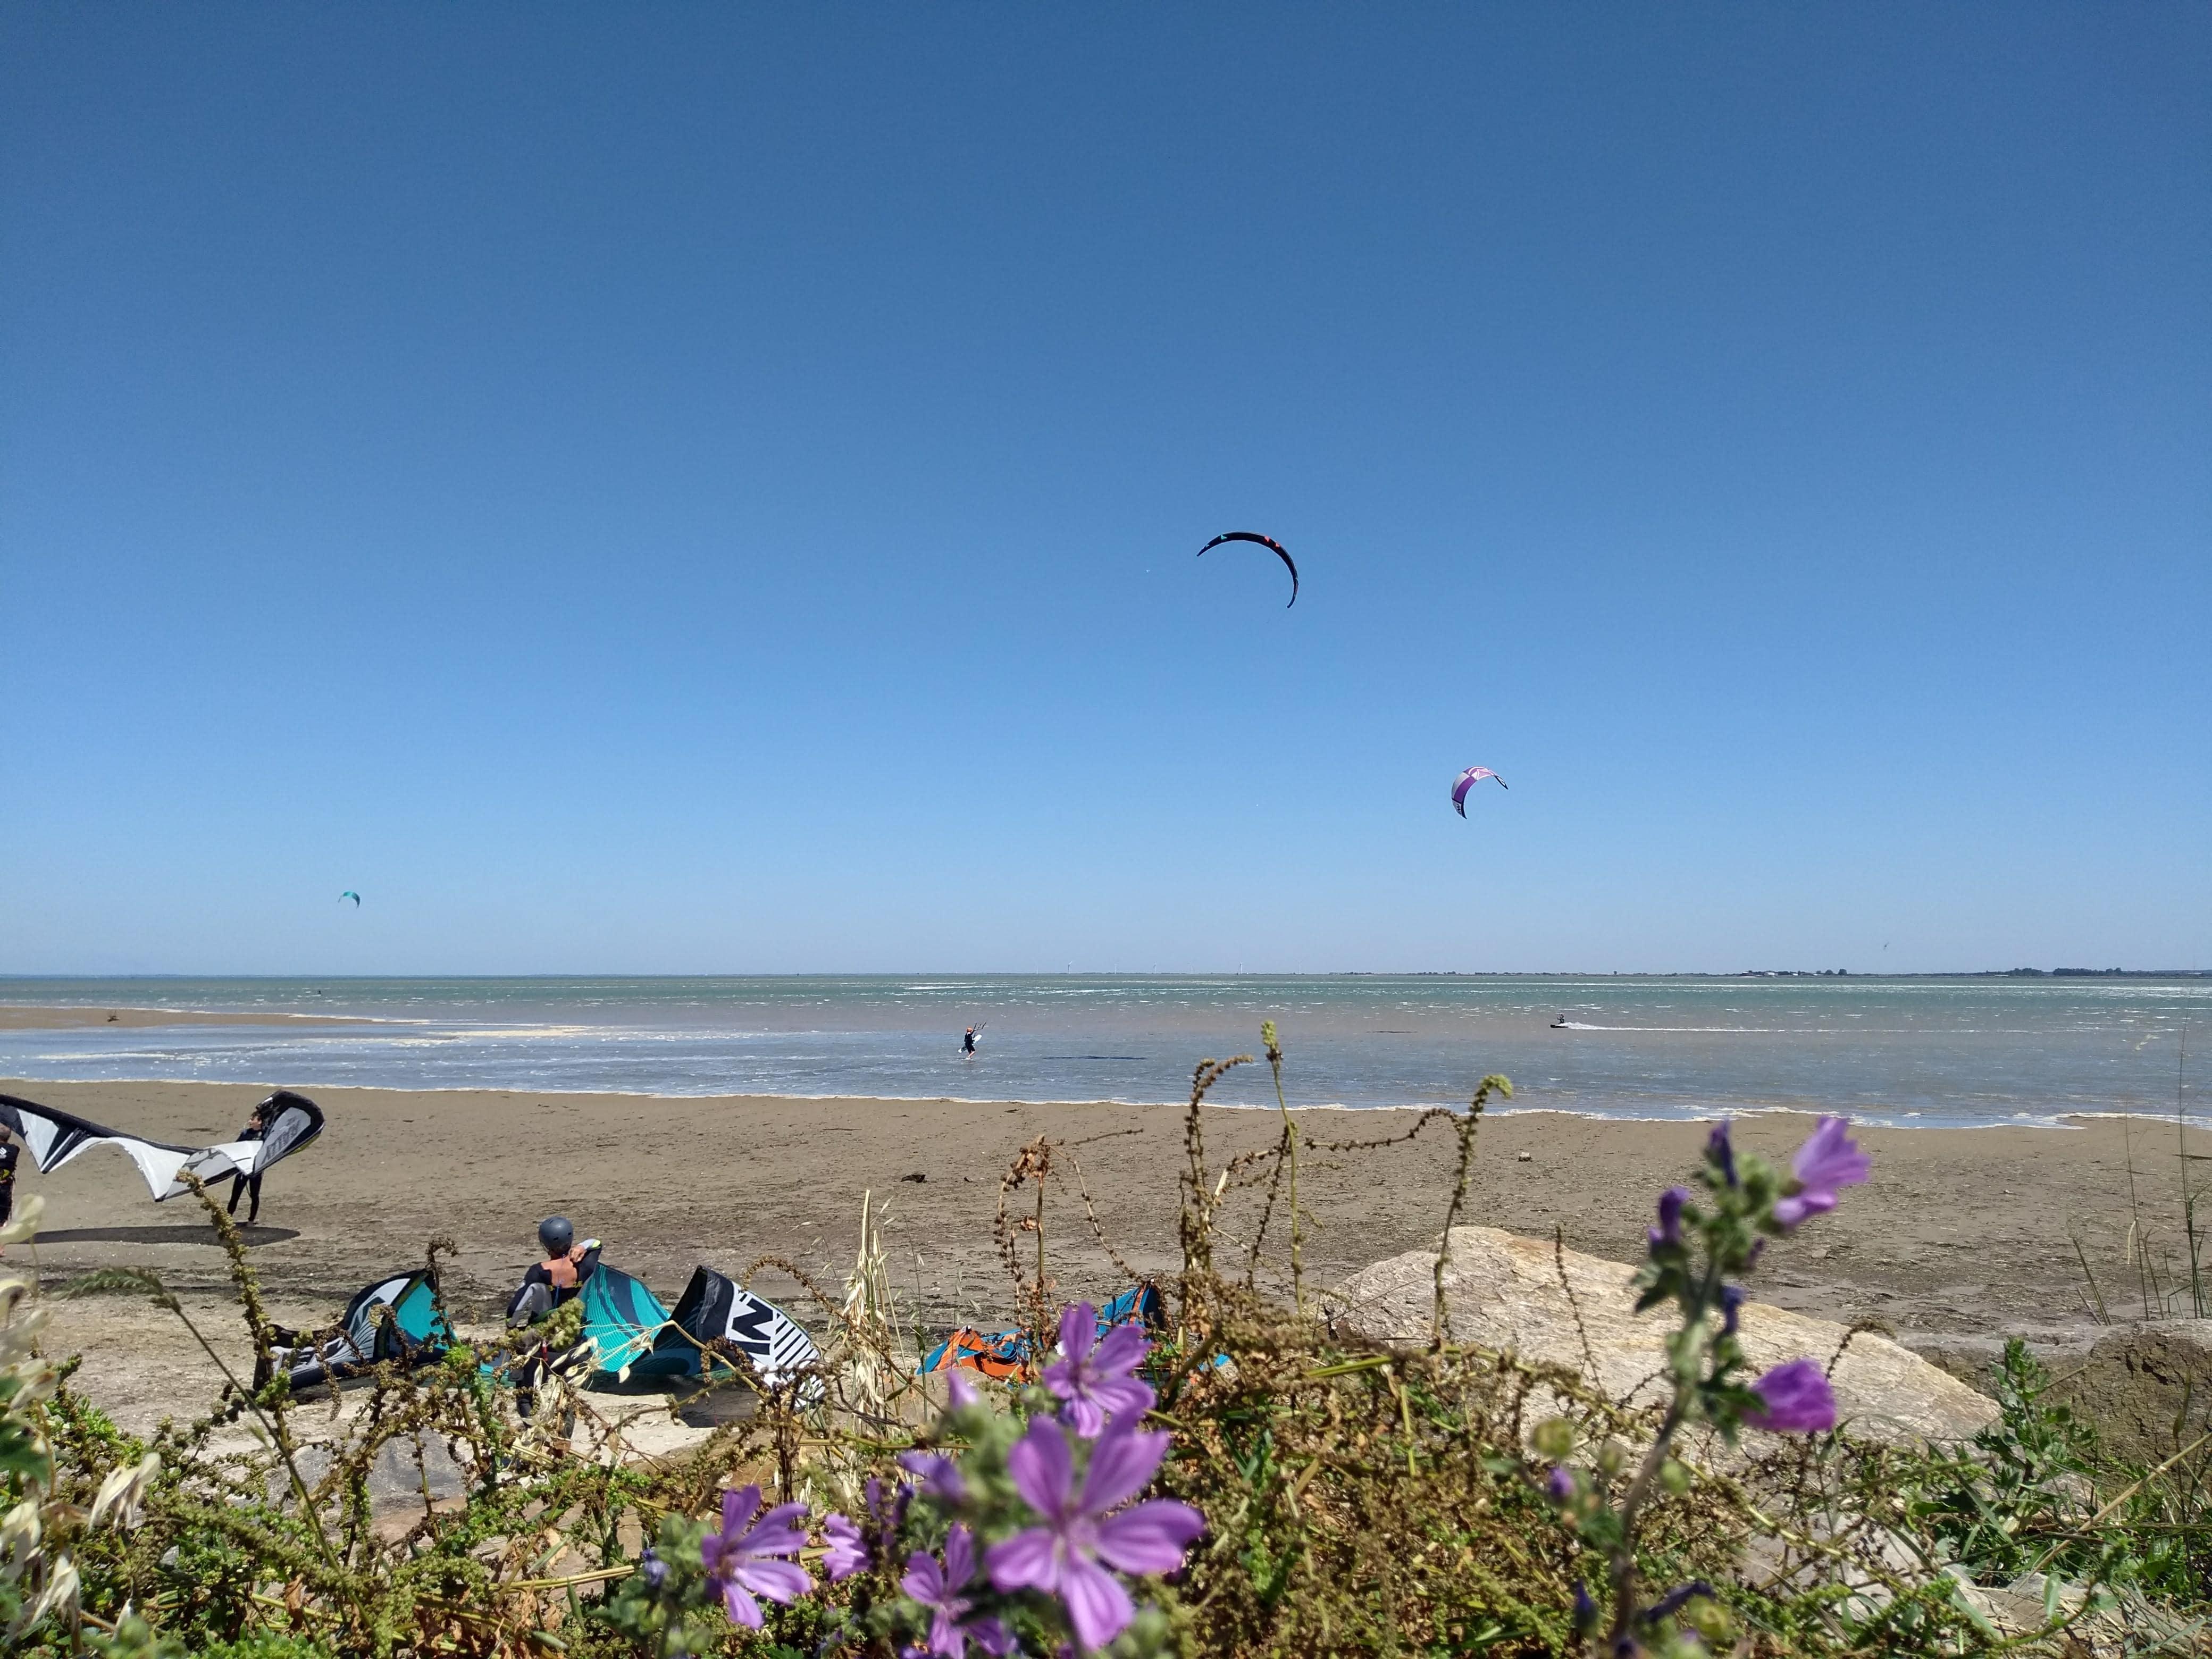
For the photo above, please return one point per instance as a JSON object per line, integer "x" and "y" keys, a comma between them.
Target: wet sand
{"x": 1963, "y": 1237}
{"x": 21, "y": 1016}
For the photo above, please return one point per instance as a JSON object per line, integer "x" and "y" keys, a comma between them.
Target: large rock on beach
{"x": 1508, "y": 1293}
{"x": 2146, "y": 1387}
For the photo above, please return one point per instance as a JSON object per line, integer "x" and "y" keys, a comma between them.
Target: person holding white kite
{"x": 286, "y": 1123}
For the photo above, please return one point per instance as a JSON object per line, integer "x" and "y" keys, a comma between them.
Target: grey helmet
{"x": 555, "y": 1234}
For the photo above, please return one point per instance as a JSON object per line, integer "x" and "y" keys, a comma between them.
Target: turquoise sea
{"x": 1900, "y": 1050}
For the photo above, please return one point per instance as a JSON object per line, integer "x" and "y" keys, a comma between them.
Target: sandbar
{"x": 23, "y": 1017}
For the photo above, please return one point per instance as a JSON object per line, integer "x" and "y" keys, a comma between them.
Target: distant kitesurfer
{"x": 1560, "y": 1023}
{"x": 256, "y": 1128}
{"x": 968, "y": 1042}
{"x": 558, "y": 1277}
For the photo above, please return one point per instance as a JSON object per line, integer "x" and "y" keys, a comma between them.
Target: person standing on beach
{"x": 256, "y": 1128}
{"x": 10, "y": 1155}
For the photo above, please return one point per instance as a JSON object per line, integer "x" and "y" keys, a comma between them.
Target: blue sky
{"x": 693, "y": 489}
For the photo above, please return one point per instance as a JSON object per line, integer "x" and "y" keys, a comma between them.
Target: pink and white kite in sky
{"x": 1468, "y": 779}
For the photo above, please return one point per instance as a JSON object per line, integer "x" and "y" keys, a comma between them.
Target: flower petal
{"x": 1098, "y": 1609}
{"x": 741, "y": 1607}
{"x": 940, "y": 1476}
{"x": 1084, "y": 1416}
{"x": 1798, "y": 1399}
{"x": 1125, "y": 1396}
{"x": 925, "y": 1580}
{"x": 776, "y": 1533}
{"x": 1025, "y": 1561}
{"x": 1830, "y": 1158}
{"x": 779, "y": 1581}
{"x": 1078, "y": 1329}
{"x": 1041, "y": 1469}
{"x": 991, "y": 1636}
{"x": 959, "y": 1557}
{"x": 1121, "y": 1348}
{"x": 1123, "y": 1463}
{"x": 738, "y": 1508}
{"x": 847, "y": 1552}
{"x": 1149, "y": 1538}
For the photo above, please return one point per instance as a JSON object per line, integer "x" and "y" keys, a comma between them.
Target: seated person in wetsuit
{"x": 559, "y": 1277}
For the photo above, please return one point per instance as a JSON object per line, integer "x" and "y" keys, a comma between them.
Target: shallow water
{"x": 1905, "y": 1051}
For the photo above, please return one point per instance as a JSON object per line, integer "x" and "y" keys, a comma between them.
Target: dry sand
{"x": 1962, "y": 1238}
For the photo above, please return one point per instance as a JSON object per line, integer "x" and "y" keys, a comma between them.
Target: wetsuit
{"x": 562, "y": 1275}
{"x": 543, "y": 1288}
{"x": 10, "y": 1155}
{"x": 968, "y": 1044}
{"x": 241, "y": 1182}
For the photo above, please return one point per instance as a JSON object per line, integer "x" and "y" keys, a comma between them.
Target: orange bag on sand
{"x": 1003, "y": 1355}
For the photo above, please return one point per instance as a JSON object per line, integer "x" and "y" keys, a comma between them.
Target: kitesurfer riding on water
{"x": 559, "y": 1277}
{"x": 968, "y": 1042}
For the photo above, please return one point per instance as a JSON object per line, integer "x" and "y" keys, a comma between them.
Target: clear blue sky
{"x": 683, "y": 488}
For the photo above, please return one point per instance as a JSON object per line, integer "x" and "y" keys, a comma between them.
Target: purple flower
{"x": 848, "y": 1550}
{"x": 959, "y": 1392}
{"x": 1061, "y": 1557}
{"x": 1731, "y": 1305}
{"x": 741, "y": 1557}
{"x": 1795, "y": 1399}
{"x": 1668, "y": 1232}
{"x": 1829, "y": 1158}
{"x": 1585, "y": 1611}
{"x": 1560, "y": 1483}
{"x": 1095, "y": 1382}
{"x": 940, "y": 1476}
{"x": 952, "y": 1621}
{"x": 1719, "y": 1152}
{"x": 652, "y": 1569}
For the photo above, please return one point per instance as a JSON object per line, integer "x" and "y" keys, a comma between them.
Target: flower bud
{"x": 1553, "y": 1438}
{"x": 26, "y": 1222}
{"x": 1612, "y": 1458}
{"x": 1710, "y": 1620}
{"x": 1673, "y": 1478}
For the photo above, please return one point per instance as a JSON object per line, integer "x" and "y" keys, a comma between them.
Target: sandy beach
{"x": 1963, "y": 1237}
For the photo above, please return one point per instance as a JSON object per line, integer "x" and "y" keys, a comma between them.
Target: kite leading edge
{"x": 1467, "y": 781}
{"x": 1267, "y": 542}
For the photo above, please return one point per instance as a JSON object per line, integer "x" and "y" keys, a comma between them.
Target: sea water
{"x": 1938, "y": 1051}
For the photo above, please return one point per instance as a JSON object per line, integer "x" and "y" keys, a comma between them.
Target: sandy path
{"x": 1963, "y": 1236}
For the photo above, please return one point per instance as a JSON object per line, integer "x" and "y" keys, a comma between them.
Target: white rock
{"x": 1504, "y": 1291}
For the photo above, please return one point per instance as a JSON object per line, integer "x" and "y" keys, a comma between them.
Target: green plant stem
{"x": 1297, "y": 1236}
{"x": 1622, "y": 1574}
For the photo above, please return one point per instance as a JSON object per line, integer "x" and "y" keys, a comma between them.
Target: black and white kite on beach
{"x": 55, "y": 1137}
{"x": 1267, "y": 542}
{"x": 714, "y": 1309}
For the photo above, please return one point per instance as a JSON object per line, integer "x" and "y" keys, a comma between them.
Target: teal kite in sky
{"x": 351, "y": 894}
